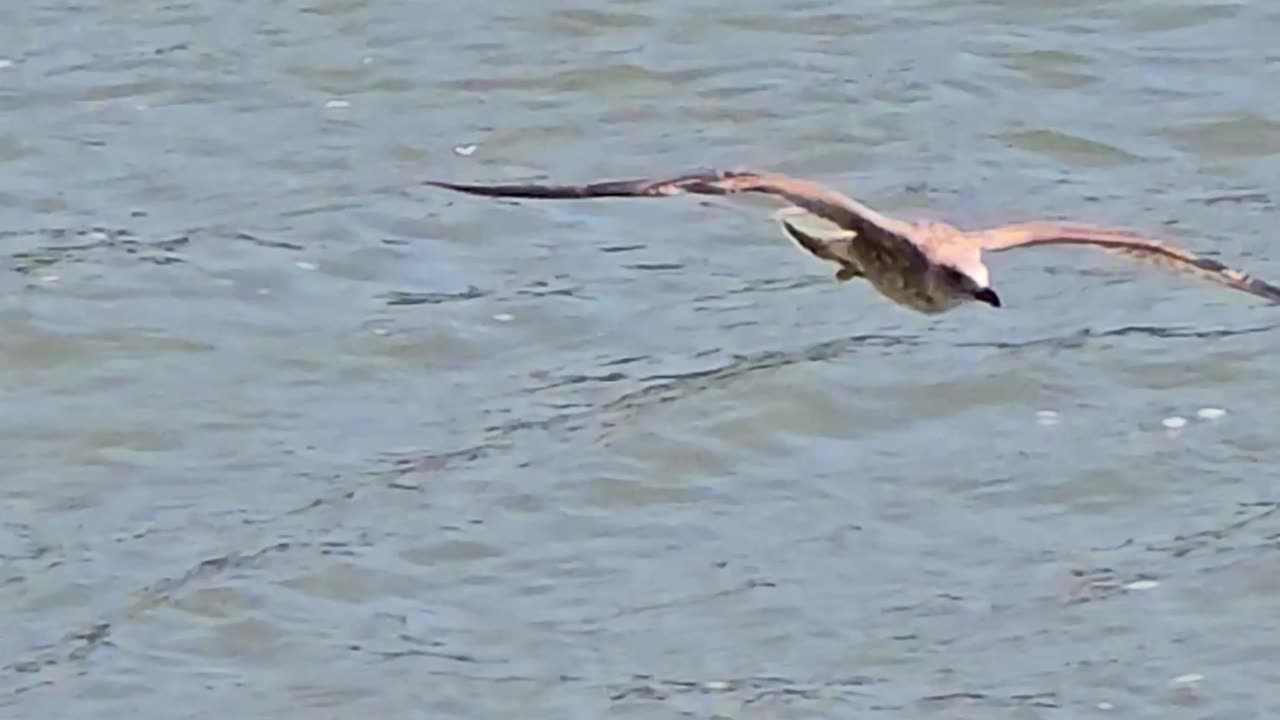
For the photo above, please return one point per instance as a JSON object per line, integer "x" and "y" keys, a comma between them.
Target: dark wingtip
{"x": 454, "y": 186}
{"x": 515, "y": 191}
{"x": 988, "y": 296}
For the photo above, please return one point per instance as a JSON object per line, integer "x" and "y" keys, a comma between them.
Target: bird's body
{"x": 928, "y": 266}
{"x": 913, "y": 274}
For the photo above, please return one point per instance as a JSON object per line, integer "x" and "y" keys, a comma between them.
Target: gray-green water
{"x": 287, "y": 437}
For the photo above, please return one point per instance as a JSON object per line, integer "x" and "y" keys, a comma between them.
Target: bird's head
{"x": 963, "y": 274}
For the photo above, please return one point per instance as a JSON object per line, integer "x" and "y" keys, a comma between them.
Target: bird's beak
{"x": 988, "y": 296}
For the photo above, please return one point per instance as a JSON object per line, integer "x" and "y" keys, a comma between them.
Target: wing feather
{"x": 1123, "y": 242}
{"x": 689, "y": 183}
{"x": 881, "y": 236}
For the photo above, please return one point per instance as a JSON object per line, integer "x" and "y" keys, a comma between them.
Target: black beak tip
{"x": 988, "y": 296}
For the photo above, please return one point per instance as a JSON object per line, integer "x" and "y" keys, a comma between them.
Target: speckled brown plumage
{"x": 927, "y": 266}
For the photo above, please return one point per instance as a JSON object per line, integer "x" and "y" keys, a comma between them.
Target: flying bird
{"x": 927, "y": 266}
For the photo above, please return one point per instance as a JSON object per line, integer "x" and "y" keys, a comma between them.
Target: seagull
{"x": 926, "y": 266}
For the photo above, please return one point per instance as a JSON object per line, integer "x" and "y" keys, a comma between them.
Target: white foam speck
{"x": 716, "y": 685}
{"x": 337, "y": 104}
{"x": 1047, "y": 417}
{"x": 49, "y": 278}
{"x": 410, "y": 481}
{"x": 466, "y": 150}
{"x": 1142, "y": 585}
{"x": 1188, "y": 679}
{"x": 305, "y": 265}
{"x": 1105, "y": 706}
{"x": 5, "y": 62}
{"x": 1174, "y": 423}
{"x": 381, "y": 331}
{"x": 1211, "y": 413}
{"x": 504, "y": 317}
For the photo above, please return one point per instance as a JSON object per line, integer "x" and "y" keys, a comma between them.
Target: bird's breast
{"x": 906, "y": 283}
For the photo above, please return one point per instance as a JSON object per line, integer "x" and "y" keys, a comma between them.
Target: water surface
{"x": 289, "y": 437}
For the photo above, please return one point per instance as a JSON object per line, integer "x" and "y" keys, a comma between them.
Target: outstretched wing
{"x": 696, "y": 183}
{"x": 881, "y": 236}
{"x": 1122, "y": 242}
